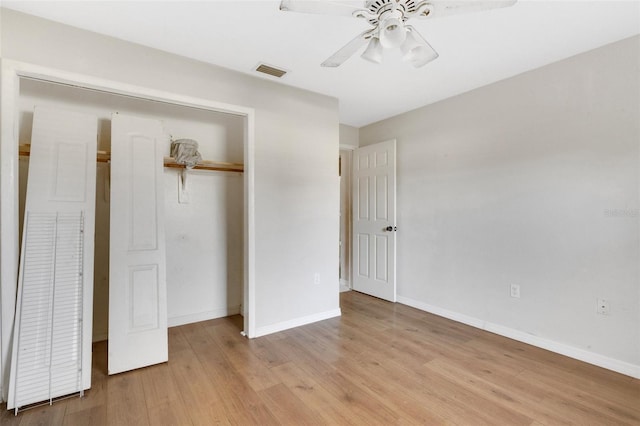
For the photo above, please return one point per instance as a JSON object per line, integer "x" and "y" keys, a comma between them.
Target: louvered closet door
{"x": 137, "y": 282}
{"x": 52, "y": 333}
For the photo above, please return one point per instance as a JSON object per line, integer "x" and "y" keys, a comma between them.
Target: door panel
{"x": 382, "y": 198}
{"x": 374, "y": 205}
{"x": 363, "y": 198}
{"x": 143, "y": 292}
{"x": 68, "y": 181}
{"x": 382, "y": 261}
{"x": 363, "y": 258}
{"x": 143, "y": 226}
{"x": 137, "y": 271}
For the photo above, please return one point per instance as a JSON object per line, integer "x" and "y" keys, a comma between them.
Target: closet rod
{"x": 105, "y": 157}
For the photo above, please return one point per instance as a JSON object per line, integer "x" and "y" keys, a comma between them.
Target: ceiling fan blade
{"x": 441, "y": 8}
{"x": 348, "y": 50}
{"x": 320, "y": 7}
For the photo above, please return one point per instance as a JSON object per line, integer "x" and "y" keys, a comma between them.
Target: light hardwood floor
{"x": 380, "y": 363}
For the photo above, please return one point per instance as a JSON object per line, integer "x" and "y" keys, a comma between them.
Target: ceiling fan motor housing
{"x": 379, "y": 8}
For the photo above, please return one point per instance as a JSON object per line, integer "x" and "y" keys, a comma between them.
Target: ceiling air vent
{"x": 272, "y": 71}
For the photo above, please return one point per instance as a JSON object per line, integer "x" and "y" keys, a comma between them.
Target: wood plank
{"x": 244, "y": 360}
{"x": 164, "y": 402}
{"x": 288, "y": 408}
{"x": 220, "y": 166}
{"x": 529, "y": 403}
{"x": 24, "y": 150}
{"x": 7, "y": 418}
{"x": 270, "y": 350}
{"x": 394, "y": 393}
{"x": 93, "y": 415}
{"x": 241, "y": 403}
{"x": 205, "y": 402}
{"x": 53, "y": 414}
{"x": 313, "y": 394}
{"x": 126, "y": 403}
{"x": 177, "y": 341}
{"x": 579, "y": 404}
{"x": 557, "y": 370}
{"x": 367, "y": 405}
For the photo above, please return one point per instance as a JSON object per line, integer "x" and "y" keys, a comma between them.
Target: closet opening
{"x": 204, "y": 233}
{"x": 209, "y": 229}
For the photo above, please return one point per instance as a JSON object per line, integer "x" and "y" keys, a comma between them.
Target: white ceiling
{"x": 475, "y": 49}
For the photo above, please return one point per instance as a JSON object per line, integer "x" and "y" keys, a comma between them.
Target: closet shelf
{"x": 105, "y": 157}
{"x": 207, "y": 165}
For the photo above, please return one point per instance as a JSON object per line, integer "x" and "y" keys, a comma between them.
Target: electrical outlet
{"x": 316, "y": 278}
{"x": 603, "y": 307}
{"x": 515, "y": 291}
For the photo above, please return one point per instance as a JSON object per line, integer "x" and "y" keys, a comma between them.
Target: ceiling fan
{"x": 388, "y": 20}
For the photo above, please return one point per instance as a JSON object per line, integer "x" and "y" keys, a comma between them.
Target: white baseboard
{"x": 344, "y": 286}
{"x": 285, "y": 325}
{"x": 186, "y": 319}
{"x": 540, "y": 342}
{"x": 202, "y": 316}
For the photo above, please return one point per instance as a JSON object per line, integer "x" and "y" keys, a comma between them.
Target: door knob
{"x": 391, "y": 228}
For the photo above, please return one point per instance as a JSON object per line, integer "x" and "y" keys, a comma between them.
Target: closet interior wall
{"x": 204, "y": 237}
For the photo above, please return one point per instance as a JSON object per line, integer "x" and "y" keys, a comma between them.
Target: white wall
{"x": 204, "y": 237}
{"x": 296, "y": 145}
{"x": 530, "y": 181}
{"x": 349, "y": 136}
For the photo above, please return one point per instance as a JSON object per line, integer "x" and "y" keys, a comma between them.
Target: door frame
{"x": 10, "y": 74}
{"x": 346, "y": 284}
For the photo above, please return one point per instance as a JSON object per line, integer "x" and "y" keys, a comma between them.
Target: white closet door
{"x": 53, "y": 326}
{"x": 137, "y": 277}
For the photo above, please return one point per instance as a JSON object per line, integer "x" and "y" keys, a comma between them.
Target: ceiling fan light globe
{"x": 421, "y": 56}
{"x": 392, "y": 33}
{"x": 417, "y": 51}
{"x": 409, "y": 47}
{"x": 373, "y": 52}
{"x": 418, "y": 57}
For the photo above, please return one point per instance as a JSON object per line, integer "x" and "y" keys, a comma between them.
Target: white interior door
{"x": 52, "y": 335}
{"x": 374, "y": 217}
{"x": 137, "y": 272}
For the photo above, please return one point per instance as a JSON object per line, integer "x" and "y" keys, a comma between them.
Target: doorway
{"x": 374, "y": 220}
